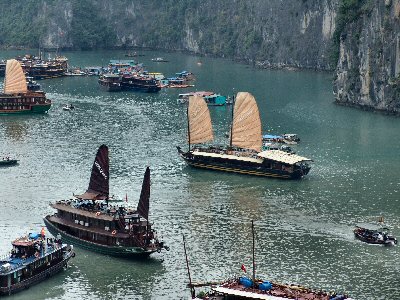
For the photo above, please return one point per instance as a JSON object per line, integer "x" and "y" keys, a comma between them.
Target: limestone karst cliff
{"x": 368, "y": 69}
{"x": 359, "y": 39}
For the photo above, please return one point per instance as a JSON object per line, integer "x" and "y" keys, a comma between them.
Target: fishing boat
{"x": 6, "y": 161}
{"x": 286, "y": 138}
{"x": 33, "y": 258}
{"x": 379, "y": 236}
{"x": 110, "y": 82}
{"x": 250, "y": 287}
{"x": 211, "y": 98}
{"x": 17, "y": 98}
{"x": 243, "y": 154}
{"x": 90, "y": 222}
{"x": 159, "y": 59}
{"x": 145, "y": 84}
{"x": 31, "y": 84}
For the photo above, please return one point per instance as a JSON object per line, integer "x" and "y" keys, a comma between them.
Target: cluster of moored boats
{"x": 91, "y": 222}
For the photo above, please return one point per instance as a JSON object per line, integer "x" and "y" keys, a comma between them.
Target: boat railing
{"x": 5, "y": 257}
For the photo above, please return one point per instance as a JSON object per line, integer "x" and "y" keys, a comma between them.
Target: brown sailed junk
{"x": 249, "y": 287}
{"x": 90, "y": 222}
{"x": 243, "y": 154}
{"x": 17, "y": 98}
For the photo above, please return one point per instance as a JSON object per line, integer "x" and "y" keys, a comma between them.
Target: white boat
{"x": 68, "y": 107}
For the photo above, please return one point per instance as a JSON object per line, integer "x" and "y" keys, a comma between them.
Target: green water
{"x": 303, "y": 228}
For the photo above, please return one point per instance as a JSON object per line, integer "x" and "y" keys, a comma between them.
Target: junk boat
{"x": 110, "y": 82}
{"x": 33, "y": 259}
{"x": 140, "y": 83}
{"x": 375, "y": 236}
{"x": 243, "y": 155}
{"x": 88, "y": 221}
{"x": 249, "y": 287}
{"x": 17, "y": 98}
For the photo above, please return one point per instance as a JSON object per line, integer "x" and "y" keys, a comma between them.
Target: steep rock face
{"x": 268, "y": 33}
{"x": 368, "y": 70}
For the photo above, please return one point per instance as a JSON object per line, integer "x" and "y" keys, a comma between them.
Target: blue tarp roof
{"x": 34, "y": 235}
{"x": 270, "y": 136}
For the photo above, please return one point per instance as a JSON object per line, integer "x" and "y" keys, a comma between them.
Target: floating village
{"x": 93, "y": 221}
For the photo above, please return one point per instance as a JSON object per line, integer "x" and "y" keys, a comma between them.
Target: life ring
{"x": 98, "y": 213}
{"x": 114, "y": 232}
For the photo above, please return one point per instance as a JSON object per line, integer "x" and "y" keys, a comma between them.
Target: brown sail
{"x": 15, "y": 81}
{"x": 246, "y": 124}
{"x": 200, "y": 128}
{"x": 144, "y": 201}
{"x": 99, "y": 180}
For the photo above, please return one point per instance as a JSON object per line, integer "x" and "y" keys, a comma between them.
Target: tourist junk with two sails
{"x": 91, "y": 223}
{"x": 243, "y": 155}
{"x": 17, "y": 98}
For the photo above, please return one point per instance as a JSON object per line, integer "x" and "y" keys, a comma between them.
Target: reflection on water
{"x": 303, "y": 228}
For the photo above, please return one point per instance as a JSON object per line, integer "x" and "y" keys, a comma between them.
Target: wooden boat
{"x": 375, "y": 236}
{"x": 8, "y": 162}
{"x": 110, "y": 82}
{"x": 286, "y": 138}
{"x": 249, "y": 287}
{"x": 243, "y": 154}
{"x": 17, "y": 98}
{"x": 211, "y": 98}
{"x": 140, "y": 83}
{"x": 159, "y": 59}
{"x": 91, "y": 223}
{"x": 33, "y": 259}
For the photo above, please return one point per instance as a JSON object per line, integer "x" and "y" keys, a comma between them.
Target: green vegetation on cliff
{"x": 88, "y": 29}
{"x": 20, "y": 24}
{"x": 349, "y": 12}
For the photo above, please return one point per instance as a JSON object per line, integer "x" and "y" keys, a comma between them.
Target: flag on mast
{"x": 243, "y": 268}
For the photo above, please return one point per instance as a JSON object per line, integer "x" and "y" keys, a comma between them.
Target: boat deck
{"x": 16, "y": 263}
{"x": 278, "y": 291}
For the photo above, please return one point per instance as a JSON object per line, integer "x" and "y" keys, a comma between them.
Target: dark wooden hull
{"x": 110, "y": 87}
{"x": 140, "y": 87}
{"x": 229, "y": 165}
{"x": 10, "y": 162}
{"x": 117, "y": 251}
{"x": 38, "y": 277}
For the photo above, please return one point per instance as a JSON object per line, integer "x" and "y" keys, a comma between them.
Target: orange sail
{"x": 200, "y": 127}
{"x": 15, "y": 80}
{"x": 246, "y": 125}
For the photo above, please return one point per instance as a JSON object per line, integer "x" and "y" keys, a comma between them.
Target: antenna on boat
{"x": 192, "y": 292}
{"x": 254, "y": 263}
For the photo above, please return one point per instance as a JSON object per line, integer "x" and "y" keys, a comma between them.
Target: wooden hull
{"x": 34, "y": 109}
{"x": 9, "y": 162}
{"x": 117, "y": 251}
{"x": 37, "y": 278}
{"x": 229, "y": 165}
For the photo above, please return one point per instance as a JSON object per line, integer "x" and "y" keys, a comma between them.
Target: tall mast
{"x": 233, "y": 107}
{"x": 188, "y": 123}
{"x": 254, "y": 263}
{"x": 192, "y": 292}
